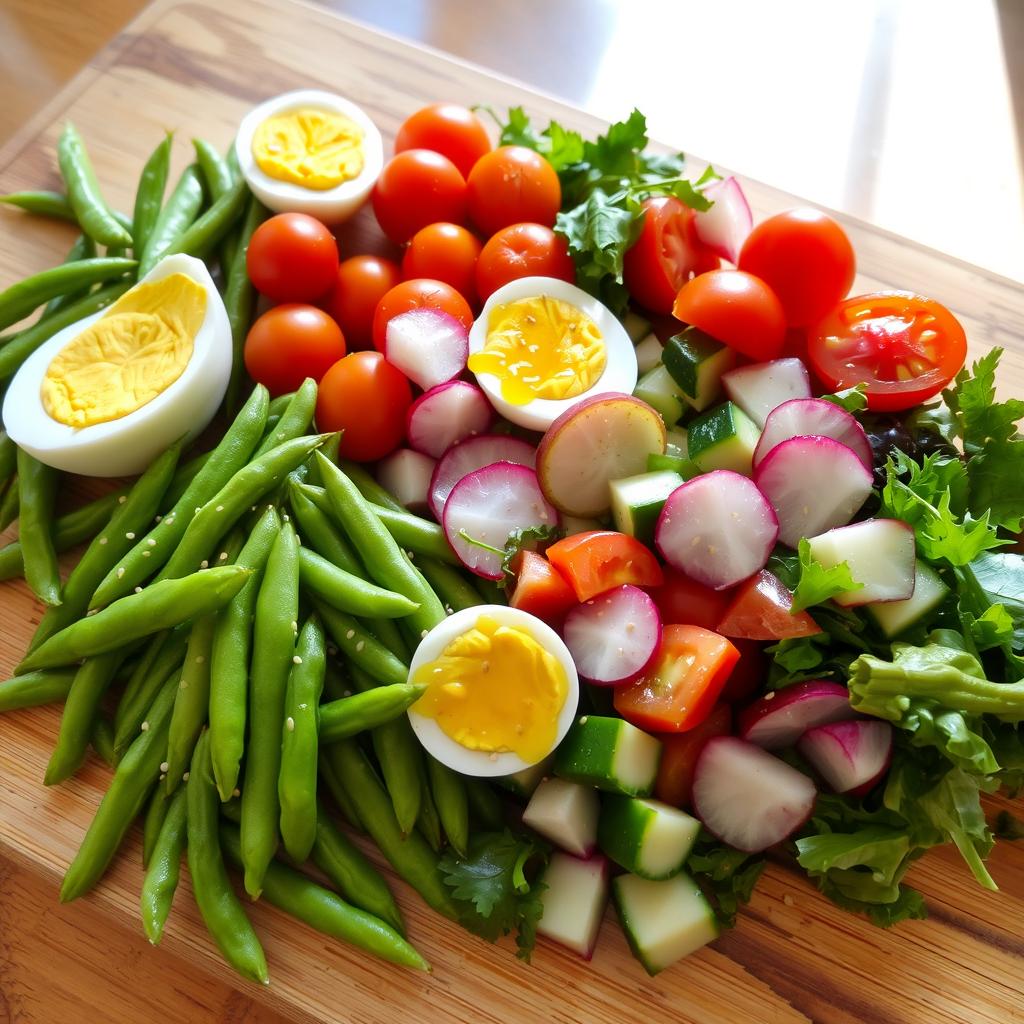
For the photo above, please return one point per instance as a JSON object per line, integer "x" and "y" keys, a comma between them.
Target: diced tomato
{"x": 679, "y": 753}
{"x": 597, "y": 560}
{"x": 760, "y": 610}
{"x": 684, "y": 600}
{"x": 680, "y": 688}
{"x": 748, "y": 674}
{"x": 541, "y": 589}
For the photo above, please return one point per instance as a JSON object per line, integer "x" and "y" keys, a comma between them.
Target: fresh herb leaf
{"x": 853, "y": 399}
{"x": 996, "y": 475}
{"x": 818, "y": 584}
{"x": 531, "y": 538}
{"x": 726, "y": 875}
{"x": 972, "y": 400}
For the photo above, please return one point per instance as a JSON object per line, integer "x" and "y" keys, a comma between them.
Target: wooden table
{"x": 792, "y": 958}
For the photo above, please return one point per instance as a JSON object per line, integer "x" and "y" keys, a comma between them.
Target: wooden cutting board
{"x": 793, "y": 957}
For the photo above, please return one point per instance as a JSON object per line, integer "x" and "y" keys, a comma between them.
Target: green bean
{"x": 454, "y": 590}
{"x": 226, "y": 459}
{"x": 162, "y": 659}
{"x": 83, "y": 248}
{"x": 330, "y": 452}
{"x": 134, "y": 778}
{"x": 9, "y": 504}
{"x": 37, "y": 488}
{"x": 191, "y": 704}
{"x": 103, "y": 741}
{"x": 428, "y": 824}
{"x": 340, "y": 719}
{"x": 216, "y": 173}
{"x": 34, "y": 689}
{"x": 229, "y": 659}
{"x": 484, "y": 804}
{"x": 279, "y": 404}
{"x": 274, "y": 628}
{"x": 341, "y": 798}
{"x": 206, "y": 231}
{"x": 449, "y": 794}
{"x": 164, "y": 868}
{"x": 388, "y": 633}
{"x": 41, "y": 203}
{"x": 225, "y": 919}
{"x": 369, "y": 488}
{"x": 297, "y": 777}
{"x": 178, "y": 213}
{"x": 348, "y": 592}
{"x": 490, "y": 592}
{"x": 360, "y": 647}
{"x": 91, "y": 211}
{"x": 319, "y": 533}
{"x": 8, "y": 456}
{"x": 149, "y": 196}
{"x": 240, "y": 297}
{"x": 184, "y": 476}
{"x": 156, "y": 812}
{"x": 294, "y": 420}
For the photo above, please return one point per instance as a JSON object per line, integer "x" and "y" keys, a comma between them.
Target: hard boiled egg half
{"x": 106, "y": 395}
{"x": 501, "y": 693}
{"x": 541, "y": 344}
{"x": 310, "y": 152}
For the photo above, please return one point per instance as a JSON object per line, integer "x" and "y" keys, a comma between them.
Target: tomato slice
{"x": 760, "y": 610}
{"x": 903, "y": 347}
{"x": 748, "y": 674}
{"x": 680, "y": 688}
{"x": 597, "y": 560}
{"x": 679, "y": 753}
{"x": 684, "y": 600}
{"x": 541, "y": 589}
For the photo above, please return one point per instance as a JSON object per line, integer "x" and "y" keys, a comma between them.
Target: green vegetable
{"x": 42, "y": 203}
{"x": 37, "y": 489}
{"x": 178, "y": 213}
{"x": 816, "y": 583}
{"x": 97, "y": 220}
{"x": 164, "y": 868}
{"x": 191, "y": 702}
{"x": 149, "y": 195}
{"x": 36, "y": 688}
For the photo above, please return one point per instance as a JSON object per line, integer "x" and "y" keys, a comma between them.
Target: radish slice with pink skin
{"x": 852, "y": 757}
{"x": 407, "y": 475}
{"x": 803, "y": 417}
{"x": 486, "y": 507}
{"x": 814, "y": 484}
{"x": 446, "y": 415}
{"x": 747, "y": 797}
{"x": 613, "y": 637}
{"x": 781, "y": 717}
{"x": 724, "y": 228}
{"x": 471, "y": 455}
{"x": 717, "y": 528}
{"x": 430, "y": 347}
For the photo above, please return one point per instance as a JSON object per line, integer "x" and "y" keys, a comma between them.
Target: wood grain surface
{"x": 793, "y": 957}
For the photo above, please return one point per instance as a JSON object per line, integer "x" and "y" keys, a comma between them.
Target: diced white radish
{"x": 747, "y": 797}
{"x": 724, "y": 228}
{"x": 486, "y": 507}
{"x": 427, "y": 345}
{"x": 852, "y": 757}
{"x": 446, "y": 415}
{"x": 893, "y": 617}
{"x": 407, "y": 475}
{"x": 717, "y": 528}
{"x": 780, "y": 718}
{"x": 574, "y": 898}
{"x": 814, "y": 484}
{"x": 613, "y": 637}
{"x": 879, "y": 553}
{"x": 600, "y": 439}
{"x": 577, "y": 524}
{"x": 804, "y": 417}
{"x": 470, "y": 455}
{"x": 566, "y": 813}
{"x": 758, "y": 388}
{"x": 525, "y": 782}
{"x": 648, "y": 353}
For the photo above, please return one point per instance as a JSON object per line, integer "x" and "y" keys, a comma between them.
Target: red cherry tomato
{"x": 449, "y": 129}
{"x": 366, "y": 398}
{"x": 444, "y": 252}
{"x": 511, "y": 185}
{"x": 683, "y": 600}
{"x": 760, "y": 610}
{"x": 290, "y": 343}
{"x": 597, "y": 560}
{"x": 292, "y": 258}
{"x": 805, "y": 257}
{"x": 416, "y": 188}
{"x": 522, "y": 250}
{"x": 679, "y": 753}
{"x": 541, "y": 589}
{"x": 361, "y": 282}
{"x": 415, "y": 294}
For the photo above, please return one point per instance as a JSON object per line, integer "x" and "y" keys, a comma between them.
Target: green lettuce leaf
{"x": 818, "y": 584}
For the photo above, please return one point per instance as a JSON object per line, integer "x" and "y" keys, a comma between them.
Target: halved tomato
{"x": 760, "y": 610}
{"x": 597, "y": 560}
{"x": 684, "y": 600}
{"x": 541, "y": 589}
{"x": 679, "y": 753}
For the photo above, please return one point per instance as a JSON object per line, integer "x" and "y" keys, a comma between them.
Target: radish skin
{"x": 446, "y": 415}
{"x": 852, "y": 757}
{"x": 724, "y": 228}
{"x": 472, "y": 454}
{"x": 803, "y": 417}
{"x": 781, "y": 717}
{"x": 427, "y": 345}
{"x": 407, "y": 475}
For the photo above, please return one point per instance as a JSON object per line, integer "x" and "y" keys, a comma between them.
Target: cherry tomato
{"x": 541, "y": 589}
{"x": 597, "y": 560}
{"x": 416, "y": 188}
{"x": 522, "y": 250}
{"x": 423, "y": 291}
{"x": 366, "y": 398}
{"x": 292, "y": 258}
{"x": 683, "y": 600}
{"x": 805, "y": 257}
{"x": 361, "y": 282}
{"x": 446, "y": 128}
{"x": 679, "y": 753}
{"x": 666, "y": 254}
{"x": 510, "y": 185}
{"x": 290, "y": 343}
{"x": 444, "y": 252}
{"x": 904, "y": 348}
{"x": 737, "y": 309}
{"x": 760, "y": 610}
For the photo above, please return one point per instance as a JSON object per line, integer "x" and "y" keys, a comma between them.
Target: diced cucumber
{"x": 636, "y": 326}
{"x": 566, "y": 813}
{"x": 610, "y": 754}
{"x": 660, "y": 391}
{"x": 676, "y": 442}
{"x": 663, "y": 921}
{"x": 523, "y": 783}
{"x": 895, "y": 617}
{"x": 723, "y": 438}
{"x": 637, "y": 502}
{"x": 696, "y": 363}
{"x": 574, "y": 899}
{"x": 646, "y": 837}
{"x": 674, "y": 463}
{"x": 648, "y": 353}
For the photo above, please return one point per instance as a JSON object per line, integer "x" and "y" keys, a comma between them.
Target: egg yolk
{"x": 133, "y": 353}
{"x": 317, "y": 149}
{"x": 541, "y": 347}
{"x": 495, "y": 689}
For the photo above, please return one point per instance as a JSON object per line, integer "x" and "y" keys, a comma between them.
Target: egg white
{"x": 620, "y": 370}
{"x": 125, "y": 446}
{"x": 437, "y": 742}
{"x": 333, "y": 205}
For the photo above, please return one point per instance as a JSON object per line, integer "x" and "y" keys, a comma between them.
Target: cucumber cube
{"x": 660, "y": 392}
{"x": 723, "y": 438}
{"x": 574, "y": 899}
{"x": 523, "y": 783}
{"x": 609, "y": 754}
{"x": 566, "y": 813}
{"x": 682, "y": 467}
{"x": 648, "y": 353}
{"x": 646, "y": 837}
{"x": 696, "y": 363}
{"x": 637, "y": 502}
{"x": 895, "y": 617}
{"x": 676, "y": 443}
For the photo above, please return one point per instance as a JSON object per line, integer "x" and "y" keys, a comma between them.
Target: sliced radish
{"x": 759, "y": 388}
{"x": 446, "y": 415}
{"x": 407, "y": 475}
{"x": 724, "y": 228}
{"x": 781, "y": 717}
{"x": 427, "y": 345}
{"x": 574, "y": 898}
{"x": 566, "y": 813}
{"x": 471, "y": 455}
{"x": 486, "y": 507}
{"x": 748, "y": 798}
{"x": 880, "y": 554}
{"x": 814, "y": 484}
{"x": 852, "y": 757}
{"x": 598, "y": 440}
{"x": 717, "y": 528}
{"x": 803, "y": 417}
{"x": 613, "y": 637}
